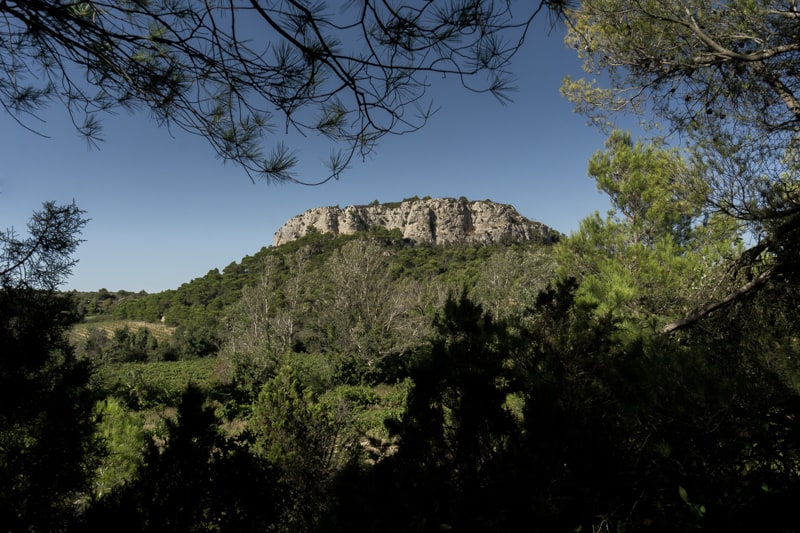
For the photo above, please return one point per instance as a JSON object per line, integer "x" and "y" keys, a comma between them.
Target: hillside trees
{"x": 578, "y": 427}
{"x": 232, "y": 72}
{"x": 511, "y": 279}
{"x": 458, "y": 427}
{"x": 195, "y": 308}
{"x": 345, "y": 298}
{"x": 47, "y": 449}
{"x": 723, "y": 77}
{"x": 364, "y": 314}
{"x": 261, "y": 324}
{"x": 127, "y": 346}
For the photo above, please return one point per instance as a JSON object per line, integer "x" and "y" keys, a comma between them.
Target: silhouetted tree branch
{"x": 44, "y": 258}
{"x": 234, "y": 71}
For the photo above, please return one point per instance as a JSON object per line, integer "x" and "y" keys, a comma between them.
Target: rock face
{"x": 437, "y": 220}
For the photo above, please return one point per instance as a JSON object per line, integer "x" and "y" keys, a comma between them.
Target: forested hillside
{"x": 639, "y": 374}
{"x": 633, "y": 374}
{"x": 368, "y": 382}
{"x": 318, "y": 293}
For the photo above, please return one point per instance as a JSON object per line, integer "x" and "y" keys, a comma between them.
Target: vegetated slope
{"x": 303, "y": 278}
{"x": 458, "y": 261}
{"x": 210, "y": 294}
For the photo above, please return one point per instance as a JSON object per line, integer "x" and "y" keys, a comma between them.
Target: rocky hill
{"x": 429, "y": 220}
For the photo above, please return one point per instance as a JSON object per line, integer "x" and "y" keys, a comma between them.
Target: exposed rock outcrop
{"x": 436, "y": 220}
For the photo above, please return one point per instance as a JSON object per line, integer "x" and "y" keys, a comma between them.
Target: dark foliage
{"x": 47, "y": 448}
{"x": 47, "y": 451}
{"x": 200, "y": 481}
{"x": 453, "y": 468}
{"x": 647, "y": 433}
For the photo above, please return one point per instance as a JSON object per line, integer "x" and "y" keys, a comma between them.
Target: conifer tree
{"x": 47, "y": 448}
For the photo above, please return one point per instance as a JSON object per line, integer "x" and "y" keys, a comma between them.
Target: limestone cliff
{"x": 436, "y": 220}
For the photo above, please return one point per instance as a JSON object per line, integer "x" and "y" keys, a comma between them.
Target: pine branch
{"x": 707, "y": 309}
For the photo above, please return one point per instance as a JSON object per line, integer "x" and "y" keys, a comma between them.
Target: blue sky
{"x": 165, "y": 210}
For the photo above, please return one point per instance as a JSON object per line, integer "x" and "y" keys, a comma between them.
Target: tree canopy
{"x": 43, "y": 259}
{"x": 47, "y": 449}
{"x": 235, "y": 72}
{"x": 658, "y": 253}
{"x": 723, "y": 75}
{"x": 721, "y": 78}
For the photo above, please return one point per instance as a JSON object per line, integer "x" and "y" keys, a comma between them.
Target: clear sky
{"x": 165, "y": 210}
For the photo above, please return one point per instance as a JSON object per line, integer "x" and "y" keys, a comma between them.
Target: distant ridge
{"x": 427, "y": 220}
